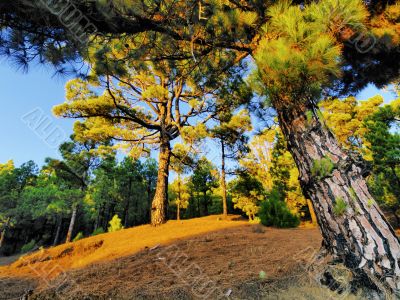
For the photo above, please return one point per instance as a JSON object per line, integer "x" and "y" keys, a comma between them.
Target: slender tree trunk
{"x": 160, "y": 200}
{"x": 149, "y": 198}
{"x": 125, "y": 215}
{"x": 353, "y": 227}
{"x": 312, "y": 212}
{"x": 99, "y": 217}
{"x": 205, "y": 204}
{"x": 3, "y": 232}
{"x": 178, "y": 206}
{"x": 136, "y": 210}
{"x": 72, "y": 224}
{"x": 2, "y": 237}
{"x": 223, "y": 181}
{"x": 198, "y": 205}
{"x": 59, "y": 224}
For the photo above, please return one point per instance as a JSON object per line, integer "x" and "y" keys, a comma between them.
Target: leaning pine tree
{"x": 294, "y": 67}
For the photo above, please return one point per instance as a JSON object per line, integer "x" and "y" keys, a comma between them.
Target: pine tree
{"x": 230, "y": 134}
{"x": 143, "y": 106}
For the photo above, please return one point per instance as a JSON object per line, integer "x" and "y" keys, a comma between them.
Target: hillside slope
{"x": 198, "y": 258}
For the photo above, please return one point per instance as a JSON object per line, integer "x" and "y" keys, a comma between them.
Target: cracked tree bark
{"x": 359, "y": 236}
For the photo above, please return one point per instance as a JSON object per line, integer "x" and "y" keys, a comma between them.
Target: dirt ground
{"x": 242, "y": 262}
{"x": 7, "y": 260}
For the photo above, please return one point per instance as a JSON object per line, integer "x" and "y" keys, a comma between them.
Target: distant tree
{"x": 257, "y": 162}
{"x": 180, "y": 195}
{"x": 49, "y": 199}
{"x": 230, "y": 135}
{"x": 247, "y": 194}
{"x": 384, "y": 143}
{"x": 102, "y": 193}
{"x": 79, "y": 158}
{"x": 13, "y": 181}
{"x": 274, "y": 211}
{"x": 204, "y": 179}
{"x": 132, "y": 186}
{"x": 347, "y": 118}
{"x": 8, "y": 198}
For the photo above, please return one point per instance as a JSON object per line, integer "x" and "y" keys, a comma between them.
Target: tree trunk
{"x": 205, "y": 204}
{"x": 198, "y": 205}
{"x": 149, "y": 198}
{"x": 2, "y": 236}
{"x": 99, "y": 217}
{"x": 160, "y": 200}
{"x": 312, "y": 212}
{"x": 3, "y": 232}
{"x": 59, "y": 224}
{"x": 353, "y": 227}
{"x": 223, "y": 181}
{"x": 71, "y": 224}
{"x": 125, "y": 214}
{"x": 178, "y": 206}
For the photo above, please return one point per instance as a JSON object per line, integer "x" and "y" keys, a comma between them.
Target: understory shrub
{"x": 78, "y": 237}
{"x": 115, "y": 224}
{"x": 274, "y": 212}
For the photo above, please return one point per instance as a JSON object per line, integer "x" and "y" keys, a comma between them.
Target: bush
{"x": 115, "y": 224}
{"x": 78, "y": 237}
{"x": 256, "y": 220}
{"x": 99, "y": 230}
{"x": 28, "y": 247}
{"x": 274, "y": 212}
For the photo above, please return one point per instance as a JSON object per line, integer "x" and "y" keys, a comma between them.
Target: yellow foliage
{"x": 346, "y": 119}
{"x": 7, "y": 167}
{"x": 181, "y": 192}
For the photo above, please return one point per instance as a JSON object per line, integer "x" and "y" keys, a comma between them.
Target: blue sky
{"x": 23, "y": 95}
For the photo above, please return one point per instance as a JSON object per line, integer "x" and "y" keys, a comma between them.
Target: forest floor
{"x": 204, "y": 258}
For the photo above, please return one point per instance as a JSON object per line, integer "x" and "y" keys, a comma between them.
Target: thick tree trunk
{"x": 353, "y": 227}
{"x": 71, "y": 224}
{"x": 160, "y": 200}
{"x": 58, "y": 230}
{"x": 223, "y": 181}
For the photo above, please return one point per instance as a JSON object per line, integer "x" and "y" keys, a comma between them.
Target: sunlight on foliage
{"x": 115, "y": 224}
